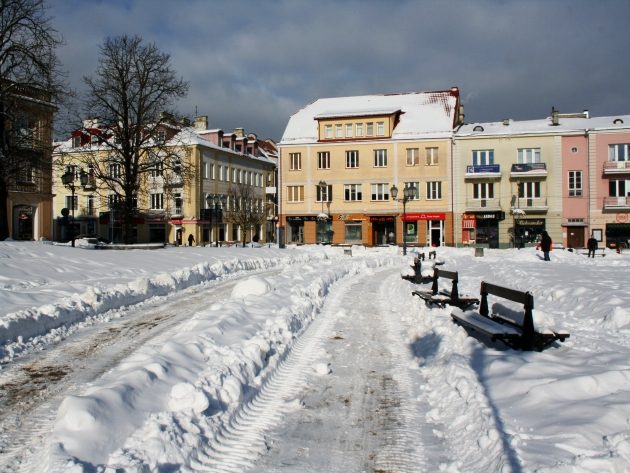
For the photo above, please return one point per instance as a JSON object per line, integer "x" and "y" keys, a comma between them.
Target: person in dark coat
{"x": 191, "y": 239}
{"x": 545, "y": 244}
{"x": 591, "y": 244}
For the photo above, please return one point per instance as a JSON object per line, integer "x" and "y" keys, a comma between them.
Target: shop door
{"x": 383, "y": 234}
{"x": 575, "y": 237}
{"x": 23, "y": 223}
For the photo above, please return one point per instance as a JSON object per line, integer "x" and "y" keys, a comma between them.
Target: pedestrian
{"x": 591, "y": 244}
{"x": 545, "y": 245}
{"x": 191, "y": 239}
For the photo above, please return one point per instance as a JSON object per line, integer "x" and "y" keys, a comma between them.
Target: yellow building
{"x": 28, "y": 164}
{"x": 208, "y": 177}
{"x": 340, "y": 158}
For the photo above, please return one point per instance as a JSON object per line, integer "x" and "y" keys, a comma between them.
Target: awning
{"x": 574, "y": 224}
{"x": 468, "y": 223}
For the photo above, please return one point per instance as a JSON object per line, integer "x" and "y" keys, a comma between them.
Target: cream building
{"x": 340, "y": 157}
{"x": 217, "y": 170}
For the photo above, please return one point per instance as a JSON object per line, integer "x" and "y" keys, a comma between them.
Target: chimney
{"x": 239, "y": 132}
{"x": 506, "y": 122}
{"x": 554, "y": 117}
{"x": 201, "y": 122}
{"x": 586, "y": 114}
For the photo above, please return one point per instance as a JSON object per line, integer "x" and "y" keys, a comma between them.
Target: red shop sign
{"x": 424, "y": 216}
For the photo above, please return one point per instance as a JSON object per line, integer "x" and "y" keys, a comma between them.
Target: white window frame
{"x": 380, "y": 192}
{"x": 323, "y": 194}
{"x": 529, "y": 190}
{"x": 416, "y": 192}
{"x": 328, "y": 131}
{"x": 434, "y": 190}
{"x": 482, "y": 157}
{"x": 352, "y": 193}
{"x": 338, "y": 130}
{"x": 157, "y": 201}
{"x": 295, "y": 194}
{"x": 323, "y": 160}
{"x": 295, "y": 161}
{"x": 432, "y": 156}
{"x": 619, "y": 152}
{"x": 528, "y": 156}
{"x": 369, "y": 129}
{"x": 352, "y": 159}
{"x": 358, "y": 130}
{"x": 575, "y": 183}
{"x": 349, "y": 128}
{"x": 380, "y": 158}
{"x": 380, "y": 128}
{"x": 413, "y": 156}
{"x": 483, "y": 190}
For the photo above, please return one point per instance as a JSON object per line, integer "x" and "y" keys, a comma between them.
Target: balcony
{"x": 487, "y": 171}
{"x": 617, "y": 203}
{"x": 476, "y": 205}
{"x": 532, "y": 205}
{"x": 175, "y": 181}
{"x": 616, "y": 167}
{"x": 528, "y": 170}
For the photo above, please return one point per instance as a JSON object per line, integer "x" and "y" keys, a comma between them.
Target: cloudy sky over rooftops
{"x": 253, "y": 63}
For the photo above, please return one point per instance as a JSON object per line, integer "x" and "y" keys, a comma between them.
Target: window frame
{"x": 379, "y": 192}
{"x": 295, "y": 194}
{"x": 574, "y": 183}
{"x": 434, "y": 190}
{"x": 323, "y": 157}
{"x": 380, "y": 158}
{"x": 295, "y": 161}
{"x": 415, "y": 157}
{"x": 352, "y": 159}
{"x": 352, "y": 193}
{"x": 432, "y": 155}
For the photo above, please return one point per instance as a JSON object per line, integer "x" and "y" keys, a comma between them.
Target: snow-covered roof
{"x": 544, "y": 126}
{"x": 422, "y": 114}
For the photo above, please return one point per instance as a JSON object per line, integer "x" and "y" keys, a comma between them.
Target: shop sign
{"x": 424, "y": 216}
{"x": 530, "y": 222}
{"x": 304, "y": 218}
{"x": 621, "y": 217}
{"x": 382, "y": 219}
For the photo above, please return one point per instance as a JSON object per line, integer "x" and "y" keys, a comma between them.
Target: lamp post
{"x": 67, "y": 179}
{"x": 322, "y": 218}
{"x": 213, "y": 201}
{"x": 408, "y": 194}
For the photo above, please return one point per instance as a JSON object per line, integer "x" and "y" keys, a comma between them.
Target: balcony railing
{"x": 487, "y": 170}
{"x": 617, "y": 167}
{"x": 616, "y": 203}
{"x": 482, "y": 204}
{"x": 527, "y": 169}
{"x": 532, "y": 204}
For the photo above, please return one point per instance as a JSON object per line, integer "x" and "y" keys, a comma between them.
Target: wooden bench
{"x": 516, "y": 330}
{"x": 444, "y": 298}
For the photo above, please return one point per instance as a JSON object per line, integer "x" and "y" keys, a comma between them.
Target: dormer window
{"x": 161, "y": 136}
{"x": 380, "y": 129}
{"x": 94, "y": 140}
{"x": 76, "y": 141}
{"x": 369, "y": 129}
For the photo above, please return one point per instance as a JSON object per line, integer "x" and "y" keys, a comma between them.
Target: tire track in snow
{"x": 377, "y": 425}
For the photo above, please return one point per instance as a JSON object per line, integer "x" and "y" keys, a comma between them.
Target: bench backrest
{"x": 525, "y": 298}
{"x": 442, "y": 273}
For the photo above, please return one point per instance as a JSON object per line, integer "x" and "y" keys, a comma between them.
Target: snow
{"x": 566, "y": 409}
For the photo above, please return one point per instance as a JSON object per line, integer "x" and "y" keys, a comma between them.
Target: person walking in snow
{"x": 191, "y": 239}
{"x": 591, "y": 244}
{"x": 545, "y": 245}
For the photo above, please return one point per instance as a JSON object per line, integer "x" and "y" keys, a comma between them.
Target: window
{"x": 380, "y": 191}
{"x": 413, "y": 156}
{"x": 113, "y": 201}
{"x": 323, "y": 160}
{"x": 434, "y": 190}
{"x": 338, "y": 131}
{"x": 295, "y": 194}
{"x": 354, "y": 232}
{"x": 72, "y": 202}
{"x": 369, "y": 128}
{"x": 483, "y": 157}
{"x": 359, "y": 130}
{"x": 529, "y": 190}
{"x": 380, "y": 129}
{"x": 483, "y": 191}
{"x": 352, "y": 159}
{"x": 115, "y": 170}
{"x": 234, "y": 175}
{"x": 90, "y": 205}
{"x": 352, "y": 192}
{"x": 157, "y": 169}
{"x": 416, "y": 189}
{"x": 221, "y": 173}
{"x": 161, "y": 136}
{"x": 618, "y": 188}
{"x": 432, "y": 156}
{"x": 349, "y": 130}
{"x": 157, "y": 201}
{"x": 206, "y": 170}
{"x": 94, "y": 141}
{"x": 328, "y": 131}
{"x": 380, "y": 158}
{"x": 528, "y": 155}
{"x": 177, "y": 203}
{"x": 324, "y": 194}
{"x": 76, "y": 141}
{"x": 618, "y": 152}
{"x": 213, "y": 174}
{"x": 295, "y": 161}
{"x": 575, "y": 183}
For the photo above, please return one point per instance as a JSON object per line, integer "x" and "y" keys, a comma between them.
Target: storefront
{"x": 431, "y": 223}
{"x": 295, "y": 229}
{"x": 528, "y": 231}
{"x": 482, "y": 228}
{"x": 383, "y": 230}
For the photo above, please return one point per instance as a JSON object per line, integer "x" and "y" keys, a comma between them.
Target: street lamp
{"x": 67, "y": 179}
{"x": 408, "y": 194}
{"x": 322, "y": 218}
{"x": 213, "y": 201}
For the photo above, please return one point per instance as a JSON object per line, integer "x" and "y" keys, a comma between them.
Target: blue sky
{"x": 253, "y": 63}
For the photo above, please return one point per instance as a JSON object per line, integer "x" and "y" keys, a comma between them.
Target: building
{"x": 565, "y": 174}
{"x": 340, "y": 158}
{"x": 195, "y": 181}
{"x": 27, "y": 166}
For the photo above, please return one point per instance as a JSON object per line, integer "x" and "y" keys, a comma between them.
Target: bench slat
{"x": 483, "y": 324}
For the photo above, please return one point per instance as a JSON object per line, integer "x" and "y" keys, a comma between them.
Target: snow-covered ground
{"x": 309, "y": 352}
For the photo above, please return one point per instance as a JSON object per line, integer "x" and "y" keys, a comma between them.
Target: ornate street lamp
{"x": 408, "y": 194}
{"x": 67, "y": 179}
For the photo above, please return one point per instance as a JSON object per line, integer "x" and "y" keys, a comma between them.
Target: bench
{"x": 444, "y": 298}
{"x": 422, "y": 273}
{"x": 513, "y": 328}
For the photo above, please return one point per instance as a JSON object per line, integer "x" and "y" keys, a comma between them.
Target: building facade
{"x": 215, "y": 188}
{"x": 340, "y": 158}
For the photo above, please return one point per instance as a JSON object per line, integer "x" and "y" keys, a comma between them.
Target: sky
{"x": 274, "y": 360}
{"x": 253, "y": 63}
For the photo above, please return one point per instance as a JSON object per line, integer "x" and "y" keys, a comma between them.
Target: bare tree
{"x": 29, "y": 83}
{"x": 245, "y": 209}
{"x": 129, "y": 96}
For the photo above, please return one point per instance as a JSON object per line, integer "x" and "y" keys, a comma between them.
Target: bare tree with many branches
{"x": 245, "y": 209}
